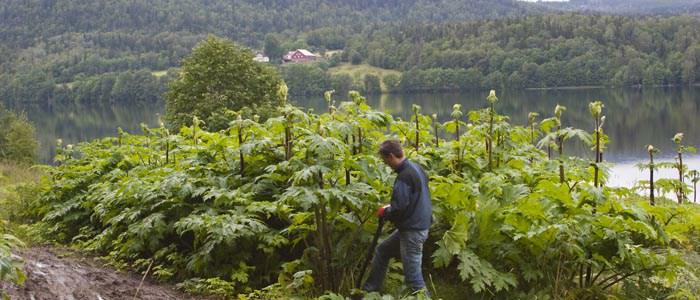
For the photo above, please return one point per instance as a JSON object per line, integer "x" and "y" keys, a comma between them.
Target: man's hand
{"x": 380, "y": 211}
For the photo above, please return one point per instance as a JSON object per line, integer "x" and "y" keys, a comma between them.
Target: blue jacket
{"x": 410, "y": 199}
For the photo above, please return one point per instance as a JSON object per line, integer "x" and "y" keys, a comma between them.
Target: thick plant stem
{"x": 489, "y": 141}
{"x": 287, "y": 143}
{"x": 459, "y": 145}
{"x": 319, "y": 241}
{"x": 359, "y": 140}
{"x": 240, "y": 152}
{"x": 437, "y": 139}
{"x": 326, "y": 240}
{"x": 417, "y": 132}
{"x": 457, "y": 132}
{"x": 167, "y": 147}
{"x": 597, "y": 153}
{"x": 681, "y": 192}
{"x": 560, "y": 142}
{"x": 194, "y": 134}
{"x": 651, "y": 179}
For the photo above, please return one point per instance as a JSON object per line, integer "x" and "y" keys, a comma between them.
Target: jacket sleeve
{"x": 400, "y": 199}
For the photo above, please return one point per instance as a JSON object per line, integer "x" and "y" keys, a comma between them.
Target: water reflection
{"x": 79, "y": 123}
{"x": 635, "y": 117}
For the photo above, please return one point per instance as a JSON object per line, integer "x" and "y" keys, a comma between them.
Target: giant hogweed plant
{"x": 288, "y": 204}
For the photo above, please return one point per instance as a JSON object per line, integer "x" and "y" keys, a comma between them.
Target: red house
{"x": 299, "y": 55}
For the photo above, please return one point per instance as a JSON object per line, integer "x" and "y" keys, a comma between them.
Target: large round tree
{"x": 219, "y": 75}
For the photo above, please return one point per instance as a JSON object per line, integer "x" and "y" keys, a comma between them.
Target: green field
{"x": 159, "y": 73}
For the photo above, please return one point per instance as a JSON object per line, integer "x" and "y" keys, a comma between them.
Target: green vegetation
{"x": 358, "y": 73}
{"x": 70, "y": 40}
{"x": 10, "y": 267}
{"x": 538, "y": 51}
{"x": 219, "y": 75}
{"x": 286, "y": 206}
{"x": 18, "y": 149}
{"x": 436, "y": 45}
{"x": 17, "y": 138}
{"x": 627, "y": 6}
{"x": 14, "y": 188}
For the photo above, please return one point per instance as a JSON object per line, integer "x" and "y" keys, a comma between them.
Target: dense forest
{"x": 121, "y": 51}
{"x": 628, "y": 6}
{"x": 540, "y": 51}
{"x": 530, "y": 52}
{"x": 73, "y": 45}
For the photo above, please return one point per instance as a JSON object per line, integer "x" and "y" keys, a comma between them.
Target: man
{"x": 411, "y": 212}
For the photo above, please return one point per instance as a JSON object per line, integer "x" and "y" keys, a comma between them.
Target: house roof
{"x": 306, "y": 52}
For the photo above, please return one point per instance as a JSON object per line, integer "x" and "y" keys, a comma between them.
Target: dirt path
{"x": 60, "y": 275}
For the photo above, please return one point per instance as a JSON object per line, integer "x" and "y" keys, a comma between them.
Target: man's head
{"x": 391, "y": 153}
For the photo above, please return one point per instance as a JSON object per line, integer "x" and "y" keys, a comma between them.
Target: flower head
{"x": 559, "y": 110}
{"x": 678, "y": 138}
{"x": 456, "y": 111}
{"x": 596, "y": 108}
{"x": 328, "y": 96}
{"x": 492, "y": 97}
{"x": 283, "y": 92}
{"x": 415, "y": 108}
{"x": 532, "y": 117}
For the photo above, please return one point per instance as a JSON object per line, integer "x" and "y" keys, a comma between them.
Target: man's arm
{"x": 400, "y": 198}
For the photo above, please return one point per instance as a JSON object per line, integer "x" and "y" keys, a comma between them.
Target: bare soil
{"x": 54, "y": 274}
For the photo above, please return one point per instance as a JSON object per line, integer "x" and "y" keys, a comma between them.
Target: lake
{"x": 635, "y": 118}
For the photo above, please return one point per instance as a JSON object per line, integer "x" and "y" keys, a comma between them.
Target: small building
{"x": 259, "y": 57}
{"x": 299, "y": 55}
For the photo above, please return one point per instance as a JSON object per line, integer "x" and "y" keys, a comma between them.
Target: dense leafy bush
{"x": 219, "y": 75}
{"x": 17, "y": 138}
{"x": 286, "y": 206}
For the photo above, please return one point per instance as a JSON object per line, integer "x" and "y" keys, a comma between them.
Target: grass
{"x": 359, "y": 71}
{"x": 159, "y": 73}
{"x": 13, "y": 175}
{"x": 331, "y": 53}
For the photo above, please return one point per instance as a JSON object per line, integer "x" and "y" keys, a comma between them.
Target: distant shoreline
{"x": 578, "y": 87}
{"x": 586, "y": 87}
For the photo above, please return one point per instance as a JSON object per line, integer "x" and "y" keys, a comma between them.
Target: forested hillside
{"x": 539, "y": 51}
{"x": 552, "y": 50}
{"x": 70, "y": 42}
{"x": 121, "y": 51}
{"x": 629, "y": 6}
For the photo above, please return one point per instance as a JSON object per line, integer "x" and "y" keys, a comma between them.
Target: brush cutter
{"x": 370, "y": 251}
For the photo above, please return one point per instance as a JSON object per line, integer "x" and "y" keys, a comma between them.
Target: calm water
{"x": 635, "y": 118}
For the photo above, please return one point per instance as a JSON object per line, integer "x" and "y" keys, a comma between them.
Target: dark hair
{"x": 391, "y": 147}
